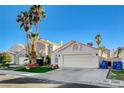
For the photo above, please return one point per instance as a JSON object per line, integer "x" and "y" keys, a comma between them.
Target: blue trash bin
{"x": 117, "y": 65}
{"x": 104, "y": 65}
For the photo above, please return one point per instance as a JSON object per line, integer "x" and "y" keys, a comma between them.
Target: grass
{"x": 119, "y": 75}
{"x": 36, "y": 69}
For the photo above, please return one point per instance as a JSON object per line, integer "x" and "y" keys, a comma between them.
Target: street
{"x": 26, "y": 82}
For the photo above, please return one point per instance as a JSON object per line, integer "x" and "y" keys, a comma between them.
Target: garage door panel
{"x": 22, "y": 60}
{"x": 82, "y": 61}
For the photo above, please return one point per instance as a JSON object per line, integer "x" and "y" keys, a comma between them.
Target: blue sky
{"x": 67, "y": 23}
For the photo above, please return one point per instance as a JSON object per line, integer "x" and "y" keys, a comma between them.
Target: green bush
{"x": 48, "y": 59}
{"x": 0, "y": 58}
{"x": 5, "y": 58}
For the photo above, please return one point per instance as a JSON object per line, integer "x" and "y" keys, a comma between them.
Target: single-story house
{"x": 77, "y": 55}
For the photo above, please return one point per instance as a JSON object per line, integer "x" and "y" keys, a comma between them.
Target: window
{"x": 56, "y": 59}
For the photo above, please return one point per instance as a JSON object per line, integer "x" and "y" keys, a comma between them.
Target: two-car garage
{"x": 82, "y": 56}
{"x": 77, "y": 60}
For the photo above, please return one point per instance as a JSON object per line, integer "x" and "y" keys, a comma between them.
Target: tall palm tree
{"x": 25, "y": 20}
{"x": 38, "y": 13}
{"x": 98, "y": 40}
{"x": 119, "y": 51}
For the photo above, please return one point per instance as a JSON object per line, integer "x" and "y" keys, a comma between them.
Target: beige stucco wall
{"x": 105, "y": 55}
{"x": 69, "y": 50}
{"x": 46, "y": 44}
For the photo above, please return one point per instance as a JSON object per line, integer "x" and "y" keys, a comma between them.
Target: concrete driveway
{"x": 75, "y": 75}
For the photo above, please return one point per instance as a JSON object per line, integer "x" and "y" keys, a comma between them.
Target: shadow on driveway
{"x": 28, "y": 80}
{"x": 44, "y": 81}
{"x": 74, "y": 85}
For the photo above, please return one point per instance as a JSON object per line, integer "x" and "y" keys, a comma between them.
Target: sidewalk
{"x": 16, "y": 73}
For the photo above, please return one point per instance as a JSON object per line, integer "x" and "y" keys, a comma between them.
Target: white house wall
{"x": 69, "y": 50}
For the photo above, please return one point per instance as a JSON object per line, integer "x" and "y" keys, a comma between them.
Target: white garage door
{"x": 21, "y": 60}
{"x": 80, "y": 61}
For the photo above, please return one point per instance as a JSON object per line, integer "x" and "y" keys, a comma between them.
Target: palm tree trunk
{"x": 37, "y": 28}
{"x": 27, "y": 43}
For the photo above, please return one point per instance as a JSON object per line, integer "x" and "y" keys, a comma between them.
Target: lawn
{"x": 119, "y": 75}
{"x": 36, "y": 69}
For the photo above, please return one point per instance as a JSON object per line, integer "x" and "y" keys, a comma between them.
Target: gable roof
{"x": 48, "y": 42}
{"x": 70, "y": 43}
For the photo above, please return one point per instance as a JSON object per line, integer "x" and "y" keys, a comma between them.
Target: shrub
{"x": 54, "y": 66}
{"x": 28, "y": 66}
{"x": 0, "y": 58}
{"x": 48, "y": 59}
{"x": 5, "y": 58}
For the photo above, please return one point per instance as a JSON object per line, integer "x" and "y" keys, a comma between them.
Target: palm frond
{"x": 21, "y": 25}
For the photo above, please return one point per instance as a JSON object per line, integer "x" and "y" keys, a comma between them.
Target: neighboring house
{"x": 121, "y": 55}
{"x": 75, "y": 54}
{"x": 16, "y": 52}
{"x": 105, "y": 55}
{"x": 43, "y": 48}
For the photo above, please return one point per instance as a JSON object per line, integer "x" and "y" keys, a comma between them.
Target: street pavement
{"x": 61, "y": 78}
{"x": 26, "y": 82}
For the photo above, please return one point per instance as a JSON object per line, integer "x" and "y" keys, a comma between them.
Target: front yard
{"x": 41, "y": 69}
{"x": 36, "y": 69}
{"x": 118, "y": 75}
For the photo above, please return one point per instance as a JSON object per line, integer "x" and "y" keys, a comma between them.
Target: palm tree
{"x": 119, "y": 51}
{"x": 25, "y": 20}
{"x": 98, "y": 40}
{"x": 38, "y": 13}
{"x": 33, "y": 39}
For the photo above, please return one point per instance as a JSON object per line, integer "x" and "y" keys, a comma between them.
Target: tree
{"x": 38, "y": 13}
{"x": 48, "y": 59}
{"x": 98, "y": 40}
{"x": 6, "y": 58}
{"x": 119, "y": 51}
{"x": 0, "y": 58}
{"x": 25, "y": 19}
